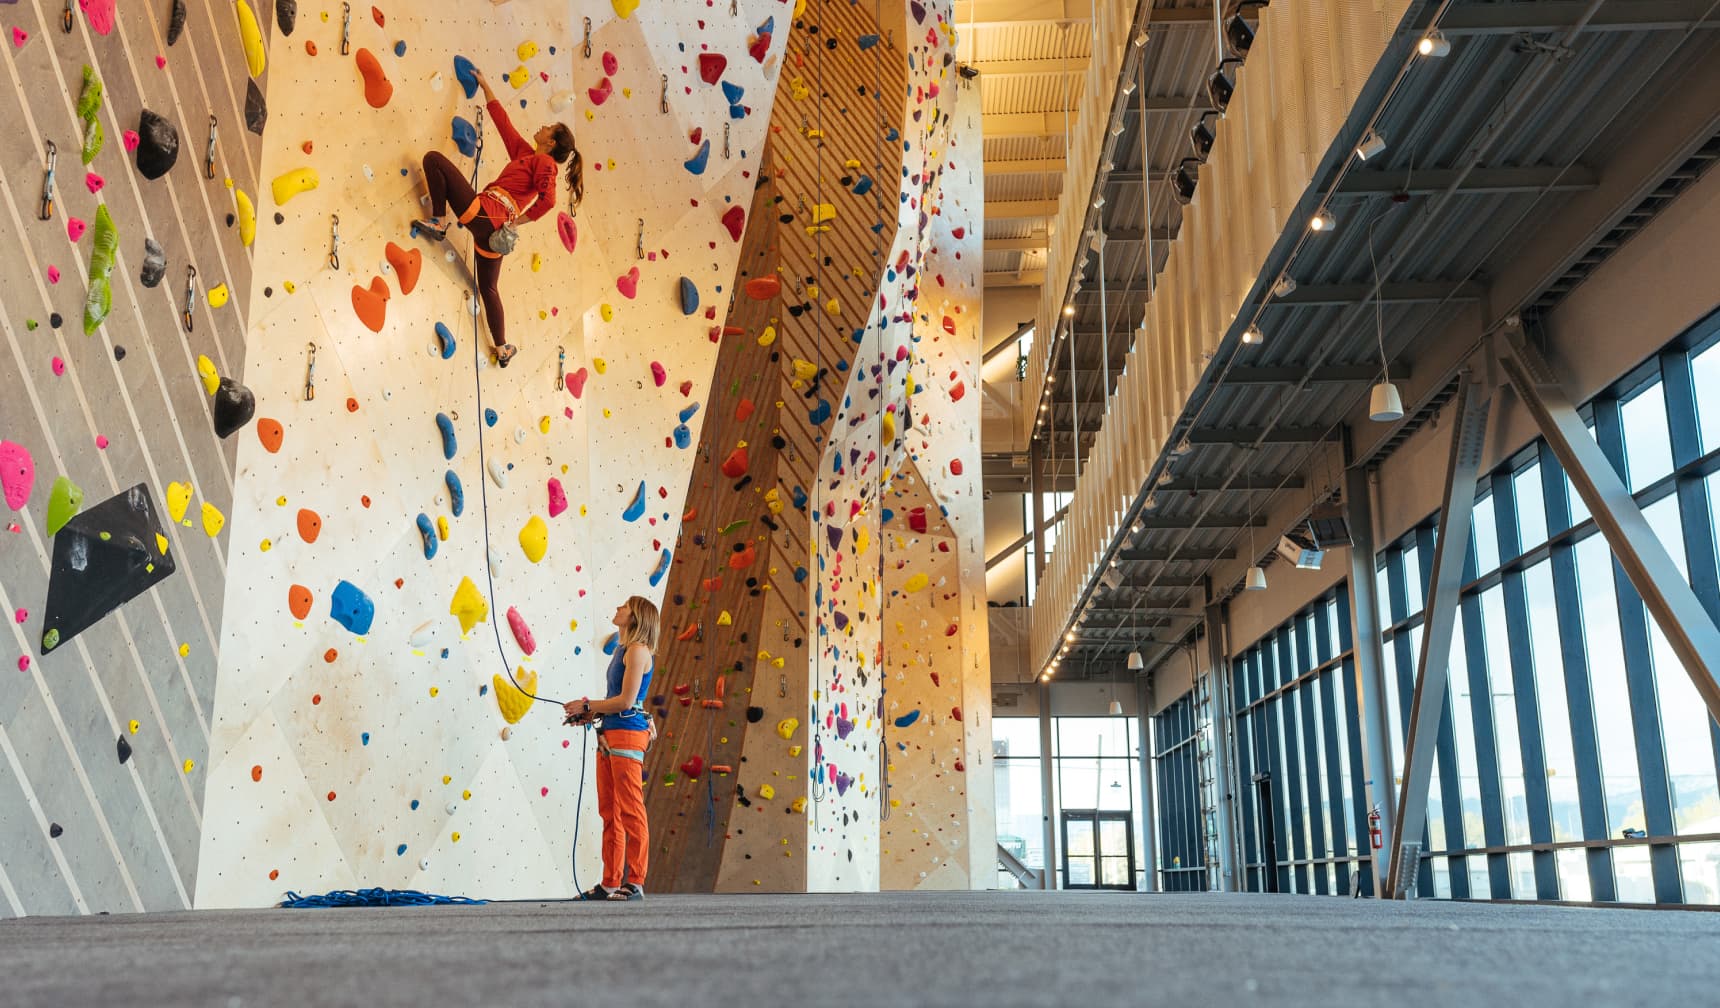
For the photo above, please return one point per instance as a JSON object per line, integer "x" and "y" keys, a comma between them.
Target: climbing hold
{"x": 624, "y": 8}
{"x": 696, "y": 163}
{"x": 456, "y": 493}
{"x": 916, "y": 583}
{"x": 566, "y": 230}
{"x": 445, "y": 340}
{"x": 251, "y": 36}
{"x": 270, "y": 433}
{"x": 661, "y": 569}
{"x": 763, "y": 288}
{"x": 557, "y": 497}
{"x": 689, "y": 298}
{"x": 711, "y": 66}
{"x": 17, "y": 474}
{"x": 178, "y": 500}
{"x": 724, "y": 619}
{"x": 286, "y": 15}
{"x": 465, "y": 136}
{"x": 449, "y": 444}
{"x": 289, "y": 184}
{"x": 766, "y": 792}
{"x": 635, "y": 510}
{"x": 206, "y": 372}
{"x": 99, "y": 299}
{"x": 406, "y": 265}
{"x": 499, "y": 472}
{"x": 352, "y": 608}
{"x": 441, "y": 528}
{"x": 786, "y": 728}
{"x": 511, "y": 699}
{"x": 735, "y": 466}
{"x": 234, "y": 407}
{"x": 576, "y": 382}
{"x": 154, "y": 263}
{"x": 65, "y": 500}
{"x": 213, "y": 520}
{"x": 377, "y": 88}
{"x": 628, "y": 283}
{"x": 735, "y": 219}
{"x": 469, "y": 605}
{"x": 310, "y": 525}
{"x": 466, "y": 74}
{"x": 522, "y": 632}
{"x": 247, "y": 220}
{"x": 907, "y": 719}
{"x": 103, "y": 558}
{"x": 534, "y": 539}
{"x": 659, "y": 374}
{"x": 256, "y": 109}
{"x": 299, "y": 599}
{"x": 218, "y": 295}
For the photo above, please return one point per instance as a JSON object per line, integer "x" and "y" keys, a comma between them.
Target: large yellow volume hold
{"x": 247, "y": 217}
{"x": 534, "y": 539}
{"x": 290, "y": 184}
{"x": 251, "y": 34}
{"x": 512, "y": 699}
{"x": 469, "y": 605}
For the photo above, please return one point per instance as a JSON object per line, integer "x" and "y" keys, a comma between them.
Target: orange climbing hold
{"x": 257, "y": 773}
{"x": 270, "y": 433}
{"x": 310, "y": 525}
{"x": 714, "y": 584}
{"x": 735, "y": 466}
{"x": 742, "y": 559}
{"x": 407, "y": 263}
{"x": 371, "y": 305}
{"x": 377, "y": 89}
{"x": 744, "y": 409}
{"x": 377, "y": 16}
{"x": 688, "y": 634}
{"x": 299, "y": 601}
{"x": 764, "y": 288}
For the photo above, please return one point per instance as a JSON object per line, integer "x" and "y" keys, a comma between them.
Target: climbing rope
{"x": 375, "y": 898}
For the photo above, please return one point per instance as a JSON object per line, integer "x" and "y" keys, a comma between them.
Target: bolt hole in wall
{"x": 1575, "y": 761}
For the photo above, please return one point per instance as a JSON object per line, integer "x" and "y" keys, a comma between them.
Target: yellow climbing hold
{"x": 887, "y": 427}
{"x": 290, "y": 184}
{"x": 189, "y": 765}
{"x": 161, "y": 543}
{"x": 804, "y": 371}
{"x": 213, "y": 519}
{"x": 607, "y": 311}
{"x": 265, "y": 545}
{"x": 218, "y": 296}
{"x": 133, "y": 726}
{"x": 862, "y": 539}
{"x": 206, "y": 371}
{"x": 724, "y": 619}
{"x": 184, "y": 650}
{"x": 773, "y": 500}
{"x": 543, "y": 424}
{"x": 767, "y": 337}
{"x": 469, "y": 605}
{"x": 766, "y": 792}
{"x": 534, "y": 539}
{"x": 518, "y": 77}
{"x": 798, "y": 805}
{"x": 537, "y": 264}
{"x": 434, "y": 690}
{"x": 786, "y": 728}
{"x": 447, "y": 779}
{"x": 526, "y": 50}
{"x": 798, "y": 90}
{"x": 247, "y": 217}
{"x": 624, "y": 8}
{"x": 251, "y": 34}
{"x": 823, "y": 213}
{"x": 178, "y": 499}
{"x": 509, "y": 697}
{"x": 441, "y": 528}
{"x": 599, "y": 365}
{"x": 916, "y": 583}
{"x": 466, "y": 796}
{"x": 833, "y": 307}
{"x": 794, "y": 752}
{"x": 289, "y": 286}
{"x": 455, "y": 837}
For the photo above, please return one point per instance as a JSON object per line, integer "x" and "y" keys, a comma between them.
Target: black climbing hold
{"x": 104, "y": 557}
{"x": 157, "y": 145}
{"x": 280, "y": 218}
{"x": 154, "y": 262}
{"x": 778, "y": 442}
{"x": 754, "y": 715}
{"x": 234, "y": 407}
{"x": 118, "y": 352}
{"x": 54, "y": 830}
{"x": 56, "y": 320}
{"x": 268, "y": 292}
{"x": 286, "y": 15}
{"x": 256, "y": 110}
{"x": 231, "y": 220}
{"x": 124, "y": 749}
{"x": 176, "y": 23}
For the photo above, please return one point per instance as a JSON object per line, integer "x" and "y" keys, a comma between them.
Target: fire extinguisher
{"x": 1376, "y": 836}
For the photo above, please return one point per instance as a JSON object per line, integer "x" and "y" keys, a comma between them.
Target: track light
{"x": 1151, "y": 503}
{"x": 1112, "y": 578}
{"x": 1128, "y": 87}
{"x": 1201, "y": 137}
{"x": 1185, "y": 179}
{"x": 1117, "y": 128}
{"x": 1098, "y": 201}
{"x": 1322, "y": 221}
{"x": 1256, "y": 579}
{"x": 1141, "y": 38}
{"x": 1238, "y": 35}
{"x": 1068, "y": 310}
{"x": 1135, "y": 661}
{"x": 1252, "y": 336}
{"x": 1371, "y": 144}
{"x": 1182, "y": 448}
{"x": 1070, "y": 636}
{"x": 1285, "y": 286}
{"x": 1434, "y": 44}
{"x": 1384, "y": 404}
{"x": 1219, "y": 89}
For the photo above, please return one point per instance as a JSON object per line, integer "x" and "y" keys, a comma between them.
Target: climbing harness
{"x": 209, "y": 153}
{"x": 47, "y": 209}
{"x": 334, "y": 242}
{"x": 190, "y": 296}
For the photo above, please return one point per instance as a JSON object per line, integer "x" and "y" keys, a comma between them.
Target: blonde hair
{"x": 645, "y": 623}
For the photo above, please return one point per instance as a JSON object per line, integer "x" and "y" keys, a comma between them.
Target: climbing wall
{"x": 112, "y": 591}
{"x": 728, "y": 784}
{"x": 417, "y": 527}
{"x": 938, "y": 818}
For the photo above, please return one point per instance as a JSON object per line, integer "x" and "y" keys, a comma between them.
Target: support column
{"x": 1051, "y": 877}
{"x": 1366, "y": 633}
{"x": 1218, "y": 664}
{"x": 1457, "y": 506}
{"x": 1639, "y": 552}
{"x": 1149, "y": 814}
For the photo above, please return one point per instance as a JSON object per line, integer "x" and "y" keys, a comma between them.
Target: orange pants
{"x": 621, "y": 803}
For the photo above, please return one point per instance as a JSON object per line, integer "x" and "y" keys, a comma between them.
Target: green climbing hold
{"x": 64, "y": 503}
{"x": 51, "y": 640}
{"x": 99, "y": 301}
{"x": 731, "y": 526}
{"x": 89, "y": 103}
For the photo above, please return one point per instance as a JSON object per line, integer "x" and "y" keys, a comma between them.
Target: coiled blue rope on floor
{"x": 375, "y": 898}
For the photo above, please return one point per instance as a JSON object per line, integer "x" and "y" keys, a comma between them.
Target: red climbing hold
{"x": 711, "y": 67}
{"x": 744, "y": 409}
{"x": 735, "y": 466}
{"x": 628, "y": 283}
{"x": 764, "y": 288}
{"x": 735, "y": 219}
{"x": 917, "y": 519}
{"x": 955, "y": 467}
{"x": 712, "y": 584}
{"x": 958, "y": 390}
{"x": 576, "y": 382}
{"x": 601, "y": 92}
{"x": 744, "y": 558}
{"x": 694, "y": 767}
{"x": 949, "y": 325}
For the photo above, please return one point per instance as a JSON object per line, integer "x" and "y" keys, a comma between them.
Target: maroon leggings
{"x": 448, "y": 187}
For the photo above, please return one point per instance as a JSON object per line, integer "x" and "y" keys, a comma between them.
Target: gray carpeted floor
{"x": 893, "y": 949}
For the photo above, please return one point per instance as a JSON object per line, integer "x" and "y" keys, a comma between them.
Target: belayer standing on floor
{"x": 525, "y": 188}
{"x": 625, "y": 730}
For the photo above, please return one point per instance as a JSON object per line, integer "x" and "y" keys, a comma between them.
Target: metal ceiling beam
{"x": 996, "y": 68}
{"x": 1187, "y": 484}
{"x": 1027, "y": 166}
{"x": 1249, "y": 435}
{"x": 1481, "y": 181}
{"x": 1557, "y": 15}
{"x": 994, "y": 125}
{"x": 1160, "y": 581}
{"x": 1015, "y": 278}
{"x": 1020, "y": 209}
{"x": 1403, "y": 292}
{"x": 1244, "y": 375}
{"x": 1213, "y": 521}
{"x": 1029, "y": 244}
{"x": 1144, "y": 555}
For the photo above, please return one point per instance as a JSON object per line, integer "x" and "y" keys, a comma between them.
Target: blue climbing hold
{"x": 818, "y": 416}
{"x": 889, "y": 513}
{"x": 610, "y": 643}
{"x": 400, "y": 849}
{"x": 467, "y": 75}
{"x": 733, "y": 92}
{"x": 636, "y": 510}
{"x": 890, "y": 135}
{"x": 689, "y": 296}
{"x": 907, "y": 719}
{"x": 414, "y": 804}
{"x": 352, "y": 608}
{"x": 465, "y": 136}
{"x": 867, "y": 42}
{"x": 445, "y": 336}
{"x": 799, "y": 498}
{"x": 696, "y": 163}
{"x": 799, "y": 575}
{"x": 683, "y": 436}
{"x": 365, "y": 738}
{"x": 490, "y": 418}
{"x": 400, "y": 48}
{"x": 662, "y": 569}
{"x": 687, "y": 412}
{"x": 769, "y": 26}
{"x": 863, "y": 186}
{"x": 737, "y": 111}
{"x": 427, "y": 532}
{"x": 450, "y": 444}
{"x": 456, "y": 493}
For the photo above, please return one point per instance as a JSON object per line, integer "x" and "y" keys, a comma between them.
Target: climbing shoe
{"x": 599, "y": 892}
{"x": 627, "y": 893}
{"x": 433, "y": 229}
{"x": 505, "y": 353}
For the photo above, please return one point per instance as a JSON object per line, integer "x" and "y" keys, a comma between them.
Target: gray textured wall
{"x": 128, "y": 833}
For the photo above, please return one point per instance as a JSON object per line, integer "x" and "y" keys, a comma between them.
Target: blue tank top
{"x": 635, "y": 718}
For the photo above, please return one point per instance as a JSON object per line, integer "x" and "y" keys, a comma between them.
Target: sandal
{"x": 505, "y": 353}
{"x": 627, "y": 893}
{"x": 599, "y": 892}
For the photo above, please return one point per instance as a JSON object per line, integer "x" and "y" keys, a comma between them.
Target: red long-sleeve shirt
{"x": 528, "y": 173}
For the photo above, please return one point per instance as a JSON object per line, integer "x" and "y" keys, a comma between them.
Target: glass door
{"x": 1098, "y": 850}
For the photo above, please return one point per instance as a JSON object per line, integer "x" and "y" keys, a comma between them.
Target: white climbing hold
{"x": 499, "y": 473}
{"x": 422, "y": 634}
{"x": 519, "y": 434}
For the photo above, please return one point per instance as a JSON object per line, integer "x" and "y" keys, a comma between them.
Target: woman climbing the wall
{"x": 625, "y": 730}
{"x": 525, "y": 188}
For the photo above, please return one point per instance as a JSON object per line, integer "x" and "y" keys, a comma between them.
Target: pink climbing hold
{"x": 58, "y": 366}
{"x": 100, "y": 13}
{"x": 557, "y": 497}
{"x": 75, "y": 228}
{"x": 576, "y": 382}
{"x": 601, "y": 92}
{"x": 53, "y": 274}
{"x": 566, "y": 230}
{"x": 628, "y": 283}
{"x": 23, "y": 663}
{"x": 711, "y": 67}
{"x": 94, "y": 182}
{"x": 659, "y": 374}
{"x": 19, "y": 37}
{"x": 17, "y": 474}
{"x": 21, "y": 615}
{"x": 131, "y": 140}
{"x": 161, "y": 62}
{"x": 610, "y": 64}
{"x": 522, "y": 633}
{"x": 102, "y": 441}
{"x": 735, "y": 219}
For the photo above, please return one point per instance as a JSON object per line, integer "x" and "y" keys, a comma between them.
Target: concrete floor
{"x": 892, "y": 949}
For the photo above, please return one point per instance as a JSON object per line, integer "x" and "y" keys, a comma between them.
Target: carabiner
{"x": 346, "y": 29}
{"x": 47, "y": 209}
{"x": 190, "y": 296}
{"x": 209, "y": 155}
{"x": 334, "y": 242}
